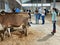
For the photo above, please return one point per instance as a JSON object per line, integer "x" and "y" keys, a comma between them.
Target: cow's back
{"x": 12, "y": 19}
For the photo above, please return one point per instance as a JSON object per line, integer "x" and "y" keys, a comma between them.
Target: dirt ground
{"x": 17, "y": 39}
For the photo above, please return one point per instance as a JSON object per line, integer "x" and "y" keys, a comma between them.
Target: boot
{"x": 54, "y": 31}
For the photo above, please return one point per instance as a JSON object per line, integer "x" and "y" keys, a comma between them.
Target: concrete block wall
{"x": 57, "y": 5}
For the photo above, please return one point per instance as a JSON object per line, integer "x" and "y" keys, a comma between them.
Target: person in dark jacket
{"x": 29, "y": 13}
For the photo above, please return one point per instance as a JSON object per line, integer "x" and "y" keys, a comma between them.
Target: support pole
{"x": 41, "y": 4}
{"x": 37, "y": 3}
{"x": 54, "y": 3}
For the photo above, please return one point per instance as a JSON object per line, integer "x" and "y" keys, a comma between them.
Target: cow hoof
{"x": 9, "y": 35}
{"x": 22, "y": 32}
{"x": 2, "y": 39}
{"x": 52, "y": 33}
{"x": 25, "y": 34}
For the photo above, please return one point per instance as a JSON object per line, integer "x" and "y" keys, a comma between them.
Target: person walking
{"x": 54, "y": 19}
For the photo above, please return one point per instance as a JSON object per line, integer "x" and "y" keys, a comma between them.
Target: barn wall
{"x": 57, "y": 5}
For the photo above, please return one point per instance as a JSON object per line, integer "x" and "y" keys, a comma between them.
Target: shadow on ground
{"x": 36, "y": 24}
{"x": 45, "y": 38}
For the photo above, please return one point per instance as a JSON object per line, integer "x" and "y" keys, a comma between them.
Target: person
{"x": 13, "y": 9}
{"x": 46, "y": 11}
{"x": 54, "y": 19}
{"x": 37, "y": 16}
{"x": 43, "y": 16}
{"x": 57, "y": 11}
{"x": 17, "y": 10}
{"x": 29, "y": 13}
{"x": 39, "y": 11}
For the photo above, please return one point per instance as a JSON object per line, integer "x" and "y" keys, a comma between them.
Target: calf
{"x": 8, "y": 20}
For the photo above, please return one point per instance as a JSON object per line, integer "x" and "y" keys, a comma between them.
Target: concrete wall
{"x": 7, "y": 8}
{"x": 2, "y": 6}
{"x": 57, "y": 5}
{"x": 23, "y": 1}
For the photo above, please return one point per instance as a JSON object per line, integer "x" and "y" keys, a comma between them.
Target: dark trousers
{"x": 29, "y": 15}
{"x": 29, "y": 18}
{"x": 43, "y": 19}
{"x": 54, "y": 26}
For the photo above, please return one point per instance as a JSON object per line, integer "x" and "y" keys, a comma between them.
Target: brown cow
{"x": 9, "y": 20}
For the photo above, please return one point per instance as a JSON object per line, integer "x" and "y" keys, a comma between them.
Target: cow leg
{"x": 24, "y": 30}
{"x": 1, "y": 36}
{"x": 9, "y": 33}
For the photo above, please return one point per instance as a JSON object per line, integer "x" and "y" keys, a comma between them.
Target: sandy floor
{"x": 16, "y": 38}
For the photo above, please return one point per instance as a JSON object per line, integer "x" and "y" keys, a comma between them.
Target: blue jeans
{"x": 37, "y": 18}
{"x": 39, "y": 15}
{"x": 37, "y": 21}
{"x": 43, "y": 19}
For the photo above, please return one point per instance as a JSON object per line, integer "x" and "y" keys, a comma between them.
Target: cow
{"x": 10, "y": 20}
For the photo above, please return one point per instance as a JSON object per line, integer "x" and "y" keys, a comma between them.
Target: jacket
{"x": 54, "y": 16}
